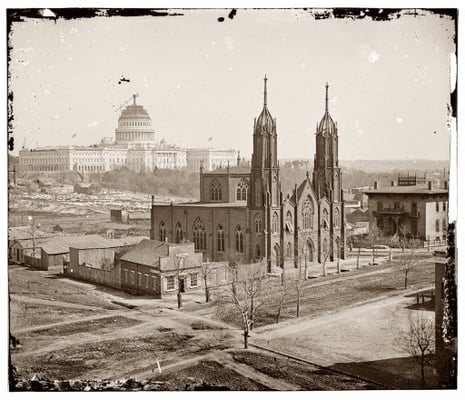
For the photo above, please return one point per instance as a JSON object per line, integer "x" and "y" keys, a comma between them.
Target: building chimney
{"x": 393, "y": 183}
{"x": 430, "y": 185}
{"x": 446, "y": 185}
{"x": 375, "y": 185}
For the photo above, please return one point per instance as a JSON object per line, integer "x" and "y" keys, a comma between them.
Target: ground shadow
{"x": 394, "y": 373}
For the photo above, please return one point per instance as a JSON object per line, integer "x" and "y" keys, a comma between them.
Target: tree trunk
{"x": 373, "y": 255}
{"x": 405, "y": 280}
{"x": 252, "y": 317}
{"x": 422, "y": 370}
{"x": 298, "y": 305}
{"x": 246, "y": 338}
{"x": 278, "y": 314}
{"x": 358, "y": 258}
{"x": 207, "y": 294}
{"x": 179, "y": 300}
{"x": 306, "y": 270}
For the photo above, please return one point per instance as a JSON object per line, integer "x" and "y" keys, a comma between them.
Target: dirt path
{"x": 251, "y": 373}
{"x": 292, "y": 327}
{"x": 152, "y": 371}
{"x": 34, "y": 300}
{"x": 76, "y": 321}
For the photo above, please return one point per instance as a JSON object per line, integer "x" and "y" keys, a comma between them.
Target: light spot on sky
{"x": 229, "y": 42}
{"x": 22, "y": 62}
{"x": 47, "y": 92}
{"x": 122, "y": 49}
{"x": 93, "y": 124}
{"x": 399, "y": 120}
{"x": 373, "y": 56}
{"x": 357, "y": 127}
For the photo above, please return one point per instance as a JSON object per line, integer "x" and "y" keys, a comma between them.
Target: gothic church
{"x": 242, "y": 213}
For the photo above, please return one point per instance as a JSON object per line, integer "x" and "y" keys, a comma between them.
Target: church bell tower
{"x": 326, "y": 171}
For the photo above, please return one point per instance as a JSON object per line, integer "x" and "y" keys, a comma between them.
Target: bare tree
{"x": 418, "y": 341}
{"x": 283, "y": 293}
{"x": 244, "y": 298}
{"x": 298, "y": 290}
{"x": 180, "y": 260}
{"x": 403, "y": 241}
{"x": 324, "y": 256}
{"x": 407, "y": 263}
{"x": 359, "y": 243}
{"x": 303, "y": 254}
{"x": 206, "y": 271}
{"x": 373, "y": 237}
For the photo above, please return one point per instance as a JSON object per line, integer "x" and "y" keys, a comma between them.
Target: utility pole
{"x": 180, "y": 259}
{"x": 33, "y": 228}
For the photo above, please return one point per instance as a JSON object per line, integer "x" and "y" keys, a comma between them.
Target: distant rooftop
{"x": 237, "y": 204}
{"x": 406, "y": 190}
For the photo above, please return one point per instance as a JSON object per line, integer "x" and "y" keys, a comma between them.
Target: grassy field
{"x": 323, "y": 295}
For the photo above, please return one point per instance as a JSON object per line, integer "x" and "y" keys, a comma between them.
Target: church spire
{"x": 326, "y": 100}
{"x": 264, "y": 92}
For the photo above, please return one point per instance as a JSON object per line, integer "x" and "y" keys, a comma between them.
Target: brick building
{"x": 422, "y": 209}
{"x": 243, "y": 214}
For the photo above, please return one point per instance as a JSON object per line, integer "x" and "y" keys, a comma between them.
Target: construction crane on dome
{"x": 133, "y": 98}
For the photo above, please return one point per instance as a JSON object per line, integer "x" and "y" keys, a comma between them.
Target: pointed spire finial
{"x": 264, "y": 101}
{"x": 326, "y": 104}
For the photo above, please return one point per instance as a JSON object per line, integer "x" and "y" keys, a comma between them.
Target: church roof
{"x": 265, "y": 122}
{"x": 327, "y": 125}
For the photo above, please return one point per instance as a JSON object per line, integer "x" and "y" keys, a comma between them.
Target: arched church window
{"x": 258, "y": 252}
{"x": 325, "y": 248}
{"x": 337, "y": 217}
{"x": 289, "y": 250}
{"x": 239, "y": 239}
{"x": 216, "y": 190}
{"x": 307, "y": 213}
{"x": 242, "y": 190}
{"x": 325, "y": 219}
{"x": 258, "y": 223}
{"x": 220, "y": 238}
{"x": 178, "y": 233}
{"x": 275, "y": 223}
{"x": 289, "y": 223}
{"x": 199, "y": 235}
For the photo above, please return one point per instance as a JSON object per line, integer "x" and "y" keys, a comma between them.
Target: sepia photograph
{"x": 231, "y": 199}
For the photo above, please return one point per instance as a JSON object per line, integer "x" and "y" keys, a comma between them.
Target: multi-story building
{"x": 134, "y": 147}
{"x": 421, "y": 209}
{"x": 243, "y": 213}
{"x": 210, "y": 159}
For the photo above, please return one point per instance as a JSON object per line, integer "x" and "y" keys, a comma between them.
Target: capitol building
{"x": 134, "y": 147}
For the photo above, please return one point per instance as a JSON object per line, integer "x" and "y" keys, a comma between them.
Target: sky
{"x": 389, "y": 82}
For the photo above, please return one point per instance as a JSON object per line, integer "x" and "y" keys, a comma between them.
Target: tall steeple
{"x": 326, "y": 174}
{"x": 264, "y": 92}
{"x": 326, "y": 102}
{"x": 264, "y": 157}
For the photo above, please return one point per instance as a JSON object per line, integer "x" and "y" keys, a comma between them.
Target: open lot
{"x": 72, "y": 330}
